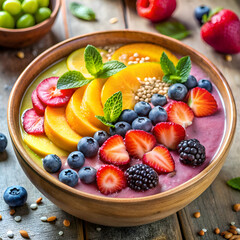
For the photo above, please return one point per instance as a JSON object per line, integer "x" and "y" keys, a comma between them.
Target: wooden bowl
{"x": 18, "y": 38}
{"x": 118, "y": 211}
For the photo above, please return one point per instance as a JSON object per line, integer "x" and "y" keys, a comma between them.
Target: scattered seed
{"x": 235, "y": 237}
{"x": 201, "y": 233}
{"x": 24, "y": 234}
{"x": 130, "y": 62}
{"x": 204, "y": 229}
{"x": 12, "y": 212}
{"x": 197, "y": 214}
{"x": 232, "y": 223}
{"x": 216, "y": 230}
{"x": 236, "y": 207}
{"x": 141, "y": 61}
{"x": 98, "y": 229}
{"x": 136, "y": 55}
{"x": 39, "y": 200}
{"x": 228, "y": 58}
{"x": 238, "y": 230}
{"x": 0, "y": 217}
{"x": 223, "y": 233}
{"x": 52, "y": 219}
{"x": 18, "y": 218}
{"x": 60, "y": 233}
{"x": 20, "y": 54}
{"x": 33, "y": 206}
{"x": 147, "y": 58}
{"x": 227, "y": 235}
{"x": 113, "y": 20}
{"x": 233, "y": 231}
{"x": 66, "y": 223}
{"x": 10, "y": 234}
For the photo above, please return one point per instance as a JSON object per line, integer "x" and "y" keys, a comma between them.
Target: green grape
{"x": 12, "y": 6}
{"x": 43, "y": 3}
{"x": 25, "y": 21}
{"x": 42, "y": 14}
{"x": 30, "y": 6}
{"x": 6, "y": 20}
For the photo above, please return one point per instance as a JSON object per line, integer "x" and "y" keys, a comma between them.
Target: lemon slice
{"x": 75, "y": 61}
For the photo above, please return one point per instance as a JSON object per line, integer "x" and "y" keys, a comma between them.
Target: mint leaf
{"x": 173, "y": 29}
{"x": 80, "y": 11}
{"x": 113, "y": 107}
{"x": 167, "y": 65}
{"x": 234, "y": 183}
{"x": 72, "y": 79}
{"x": 103, "y": 120}
{"x": 110, "y": 68}
{"x": 183, "y": 68}
{"x": 93, "y": 60}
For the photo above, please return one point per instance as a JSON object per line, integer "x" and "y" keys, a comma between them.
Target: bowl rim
{"x": 52, "y": 180}
{"x": 39, "y": 25}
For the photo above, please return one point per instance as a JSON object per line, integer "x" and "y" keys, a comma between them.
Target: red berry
{"x": 180, "y": 113}
{"x": 160, "y": 160}
{"x": 110, "y": 179}
{"x": 156, "y": 10}
{"x": 49, "y": 94}
{"x": 33, "y": 123}
{"x": 114, "y": 151}
{"x": 38, "y": 106}
{"x": 202, "y": 102}
{"x": 139, "y": 142}
{"x": 222, "y": 32}
{"x": 169, "y": 134}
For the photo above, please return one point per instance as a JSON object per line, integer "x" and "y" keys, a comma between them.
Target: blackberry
{"x": 192, "y": 152}
{"x": 141, "y": 177}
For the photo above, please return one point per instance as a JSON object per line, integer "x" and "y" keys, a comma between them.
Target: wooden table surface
{"x": 215, "y": 204}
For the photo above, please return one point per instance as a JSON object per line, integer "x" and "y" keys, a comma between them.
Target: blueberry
{"x": 88, "y": 146}
{"x": 52, "y": 163}
{"x": 128, "y": 116}
{"x": 75, "y": 159}
{"x": 200, "y": 11}
{"x": 142, "y": 108}
{"x": 15, "y": 196}
{"x": 101, "y": 137}
{"x": 203, "y": 83}
{"x": 87, "y": 174}
{"x": 68, "y": 177}
{"x": 120, "y": 128}
{"x": 158, "y": 100}
{"x": 3, "y": 142}
{"x": 191, "y": 82}
{"x": 177, "y": 91}
{"x": 158, "y": 114}
{"x": 142, "y": 123}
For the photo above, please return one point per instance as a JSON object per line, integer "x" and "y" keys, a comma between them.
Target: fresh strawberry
{"x": 160, "y": 160}
{"x": 38, "y": 106}
{"x": 222, "y": 32}
{"x": 156, "y": 10}
{"x": 180, "y": 113}
{"x": 48, "y": 93}
{"x": 110, "y": 179}
{"x": 139, "y": 142}
{"x": 169, "y": 134}
{"x": 114, "y": 151}
{"x": 33, "y": 123}
{"x": 202, "y": 102}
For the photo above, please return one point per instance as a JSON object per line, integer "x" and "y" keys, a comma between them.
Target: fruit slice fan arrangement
{"x": 134, "y": 125}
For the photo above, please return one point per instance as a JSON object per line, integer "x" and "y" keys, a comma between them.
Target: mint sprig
{"x": 80, "y": 11}
{"x": 178, "y": 74}
{"x": 234, "y": 183}
{"x": 112, "y": 109}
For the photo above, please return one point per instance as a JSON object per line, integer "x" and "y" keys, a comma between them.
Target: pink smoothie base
{"x": 208, "y": 130}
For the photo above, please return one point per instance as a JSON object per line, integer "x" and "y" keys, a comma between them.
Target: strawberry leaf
{"x": 234, "y": 183}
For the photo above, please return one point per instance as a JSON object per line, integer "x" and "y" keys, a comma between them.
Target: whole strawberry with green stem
{"x": 222, "y": 31}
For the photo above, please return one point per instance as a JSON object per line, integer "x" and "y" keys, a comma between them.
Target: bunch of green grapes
{"x": 23, "y": 13}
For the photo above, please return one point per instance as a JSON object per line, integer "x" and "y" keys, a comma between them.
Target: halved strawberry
{"x": 160, "y": 160}
{"x": 49, "y": 94}
{"x": 139, "y": 142}
{"x": 114, "y": 151}
{"x": 38, "y": 106}
{"x": 33, "y": 123}
{"x": 110, "y": 179}
{"x": 169, "y": 134}
{"x": 202, "y": 102}
{"x": 180, "y": 113}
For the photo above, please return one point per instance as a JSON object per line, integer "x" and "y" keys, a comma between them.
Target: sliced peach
{"x": 137, "y": 51}
{"x": 42, "y": 146}
{"x": 127, "y": 82}
{"x": 58, "y": 130}
{"x": 74, "y": 116}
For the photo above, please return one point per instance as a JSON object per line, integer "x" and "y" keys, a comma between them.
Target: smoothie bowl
{"x": 123, "y": 133}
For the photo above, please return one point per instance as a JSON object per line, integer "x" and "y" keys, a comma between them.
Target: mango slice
{"x": 58, "y": 130}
